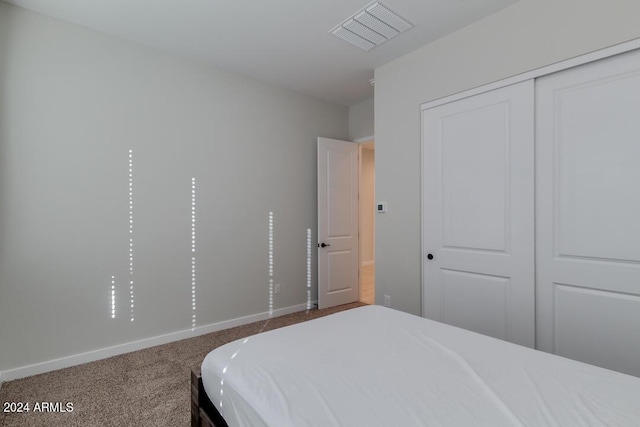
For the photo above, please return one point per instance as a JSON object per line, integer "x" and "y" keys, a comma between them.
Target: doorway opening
{"x": 367, "y": 229}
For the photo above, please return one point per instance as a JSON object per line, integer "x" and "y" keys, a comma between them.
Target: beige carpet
{"x": 149, "y": 387}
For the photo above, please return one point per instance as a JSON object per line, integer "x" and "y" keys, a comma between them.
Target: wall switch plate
{"x": 381, "y": 207}
{"x": 387, "y": 301}
{"x": 276, "y": 288}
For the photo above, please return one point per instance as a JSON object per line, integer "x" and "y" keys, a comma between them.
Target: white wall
{"x": 522, "y": 37}
{"x": 361, "y": 117}
{"x": 72, "y": 103}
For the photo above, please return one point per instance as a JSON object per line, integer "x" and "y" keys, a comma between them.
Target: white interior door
{"x": 337, "y": 222}
{"x": 588, "y": 213}
{"x": 478, "y": 213}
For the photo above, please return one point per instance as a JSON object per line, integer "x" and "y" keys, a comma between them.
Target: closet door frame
{"x": 530, "y": 75}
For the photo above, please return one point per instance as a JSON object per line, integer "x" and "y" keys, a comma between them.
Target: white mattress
{"x": 374, "y": 366}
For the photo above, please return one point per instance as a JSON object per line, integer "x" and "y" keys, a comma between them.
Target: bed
{"x": 375, "y": 366}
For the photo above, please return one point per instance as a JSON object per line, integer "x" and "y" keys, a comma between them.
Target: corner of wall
{"x": 361, "y": 120}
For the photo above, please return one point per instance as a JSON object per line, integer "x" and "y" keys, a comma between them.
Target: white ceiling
{"x": 285, "y": 42}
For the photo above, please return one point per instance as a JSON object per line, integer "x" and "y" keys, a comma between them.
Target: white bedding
{"x": 374, "y": 366}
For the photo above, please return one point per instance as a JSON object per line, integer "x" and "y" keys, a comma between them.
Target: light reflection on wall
{"x": 193, "y": 253}
{"x": 270, "y": 264}
{"x": 131, "y": 290}
{"x": 112, "y": 297}
{"x": 308, "y": 269}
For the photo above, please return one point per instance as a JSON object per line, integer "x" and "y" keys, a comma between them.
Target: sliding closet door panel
{"x": 478, "y": 195}
{"x": 588, "y": 213}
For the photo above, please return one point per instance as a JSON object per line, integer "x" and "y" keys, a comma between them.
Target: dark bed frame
{"x": 203, "y": 412}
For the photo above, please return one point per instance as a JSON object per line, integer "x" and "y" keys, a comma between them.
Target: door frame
{"x": 361, "y": 143}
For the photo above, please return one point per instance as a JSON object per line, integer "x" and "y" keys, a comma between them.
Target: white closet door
{"x": 478, "y": 207}
{"x": 588, "y": 213}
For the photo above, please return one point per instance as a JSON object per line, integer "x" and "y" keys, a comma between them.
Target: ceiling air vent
{"x": 372, "y": 26}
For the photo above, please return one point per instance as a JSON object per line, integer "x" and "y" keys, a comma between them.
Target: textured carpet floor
{"x": 149, "y": 387}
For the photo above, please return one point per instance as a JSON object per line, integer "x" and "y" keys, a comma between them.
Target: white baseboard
{"x": 103, "y": 353}
{"x": 367, "y": 263}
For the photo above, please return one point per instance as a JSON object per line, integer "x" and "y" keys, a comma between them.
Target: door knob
{"x": 324, "y": 245}
{"x": 429, "y": 256}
